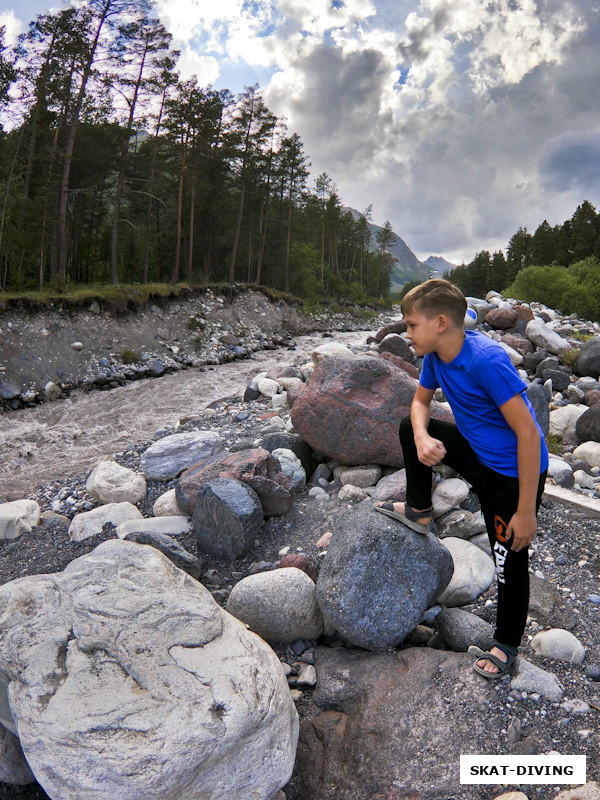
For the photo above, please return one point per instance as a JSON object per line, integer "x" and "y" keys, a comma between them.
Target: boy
{"x": 496, "y": 444}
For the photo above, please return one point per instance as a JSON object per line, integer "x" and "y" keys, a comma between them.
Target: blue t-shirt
{"x": 479, "y": 380}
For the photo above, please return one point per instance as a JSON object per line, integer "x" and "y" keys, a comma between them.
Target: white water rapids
{"x": 65, "y": 438}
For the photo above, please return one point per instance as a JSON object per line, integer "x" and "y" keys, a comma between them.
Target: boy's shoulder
{"x": 478, "y": 348}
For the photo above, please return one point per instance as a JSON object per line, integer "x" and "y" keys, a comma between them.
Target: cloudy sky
{"x": 458, "y": 119}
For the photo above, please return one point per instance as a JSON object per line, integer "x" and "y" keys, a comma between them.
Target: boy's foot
{"x": 495, "y": 664}
{"x": 415, "y": 520}
{"x": 486, "y": 665}
{"x": 400, "y": 508}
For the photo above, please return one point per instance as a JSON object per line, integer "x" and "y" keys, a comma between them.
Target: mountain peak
{"x": 408, "y": 267}
{"x": 439, "y": 264}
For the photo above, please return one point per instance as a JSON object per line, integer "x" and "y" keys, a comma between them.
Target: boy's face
{"x": 424, "y": 332}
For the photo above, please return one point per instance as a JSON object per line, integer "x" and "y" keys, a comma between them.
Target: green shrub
{"x": 572, "y": 289}
{"x": 546, "y": 285}
{"x": 194, "y": 324}
{"x": 555, "y": 444}
{"x": 129, "y": 356}
{"x": 570, "y": 357}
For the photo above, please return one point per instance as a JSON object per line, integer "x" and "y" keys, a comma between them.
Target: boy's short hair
{"x": 436, "y": 296}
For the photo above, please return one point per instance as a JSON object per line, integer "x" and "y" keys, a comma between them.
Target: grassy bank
{"x": 126, "y": 298}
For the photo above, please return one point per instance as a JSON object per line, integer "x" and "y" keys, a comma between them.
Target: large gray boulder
{"x": 379, "y": 577}
{"x": 18, "y": 517}
{"x": 539, "y": 402}
{"x": 542, "y": 336}
{"x": 91, "y": 523}
{"x": 280, "y": 605}
{"x": 126, "y": 680}
{"x": 227, "y": 518}
{"x": 473, "y": 572}
{"x": 460, "y": 629}
{"x": 110, "y": 482}
{"x": 352, "y": 407}
{"x": 169, "y": 456}
{"x": 588, "y": 360}
{"x": 587, "y": 426}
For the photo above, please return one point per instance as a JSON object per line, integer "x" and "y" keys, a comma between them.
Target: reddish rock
{"x": 410, "y": 369}
{"x": 267, "y": 415}
{"x": 300, "y": 562}
{"x": 592, "y": 397}
{"x": 524, "y": 313}
{"x": 352, "y": 407}
{"x": 294, "y": 392}
{"x": 519, "y": 343}
{"x": 394, "y": 327}
{"x": 257, "y": 468}
{"x": 501, "y": 318}
{"x": 397, "y": 346}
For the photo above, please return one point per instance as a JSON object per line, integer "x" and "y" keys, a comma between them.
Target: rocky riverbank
{"x": 385, "y": 725}
{"x": 48, "y": 354}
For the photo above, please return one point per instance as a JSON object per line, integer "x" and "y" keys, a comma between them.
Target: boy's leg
{"x": 459, "y": 456}
{"x": 499, "y": 500}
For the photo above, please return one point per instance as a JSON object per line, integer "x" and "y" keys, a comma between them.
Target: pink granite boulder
{"x": 352, "y": 407}
{"x": 501, "y": 318}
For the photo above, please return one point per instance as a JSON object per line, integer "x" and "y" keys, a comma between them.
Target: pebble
{"x": 325, "y": 540}
{"x": 594, "y": 598}
{"x": 259, "y": 566}
{"x": 575, "y": 706}
{"x": 307, "y": 675}
{"x": 592, "y": 671}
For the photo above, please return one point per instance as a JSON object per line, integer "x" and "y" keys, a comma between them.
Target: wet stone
{"x": 171, "y": 549}
{"x": 227, "y": 518}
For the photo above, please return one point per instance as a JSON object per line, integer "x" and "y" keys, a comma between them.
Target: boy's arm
{"x": 429, "y": 450}
{"x": 523, "y": 524}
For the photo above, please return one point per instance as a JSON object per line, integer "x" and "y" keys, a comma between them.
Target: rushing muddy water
{"x": 64, "y": 438}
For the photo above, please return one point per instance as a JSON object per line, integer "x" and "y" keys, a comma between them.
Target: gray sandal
{"x": 504, "y": 667}
{"x": 409, "y": 518}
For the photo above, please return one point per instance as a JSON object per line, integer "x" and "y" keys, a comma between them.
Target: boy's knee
{"x": 405, "y": 425}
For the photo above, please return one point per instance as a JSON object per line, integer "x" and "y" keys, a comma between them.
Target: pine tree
{"x": 140, "y": 53}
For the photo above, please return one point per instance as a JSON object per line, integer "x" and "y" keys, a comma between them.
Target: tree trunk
{"x": 263, "y": 239}
{"x": 7, "y": 192}
{"x": 236, "y": 237}
{"x": 151, "y": 188}
{"x": 175, "y": 276}
{"x": 188, "y": 271}
{"x": 114, "y": 244}
{"x": 42, "y": 265}
{"x": 70, "y": 145}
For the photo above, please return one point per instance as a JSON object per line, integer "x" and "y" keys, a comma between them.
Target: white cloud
{"x": 435, "y": 110}
{"x": 12, "y": 24}
{"x": 206, "y": 68}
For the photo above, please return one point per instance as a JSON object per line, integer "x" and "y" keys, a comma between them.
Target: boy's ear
{"x": 443, "y": 322}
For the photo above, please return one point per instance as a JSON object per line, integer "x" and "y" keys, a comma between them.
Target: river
{"x": 65, "y": 438}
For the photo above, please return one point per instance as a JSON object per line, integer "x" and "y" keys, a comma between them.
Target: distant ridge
{"x": 408, "y": 267}
{"x": 439, "y": 264}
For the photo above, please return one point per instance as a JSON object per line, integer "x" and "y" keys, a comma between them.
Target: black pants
{"x": 499, "y": 498}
